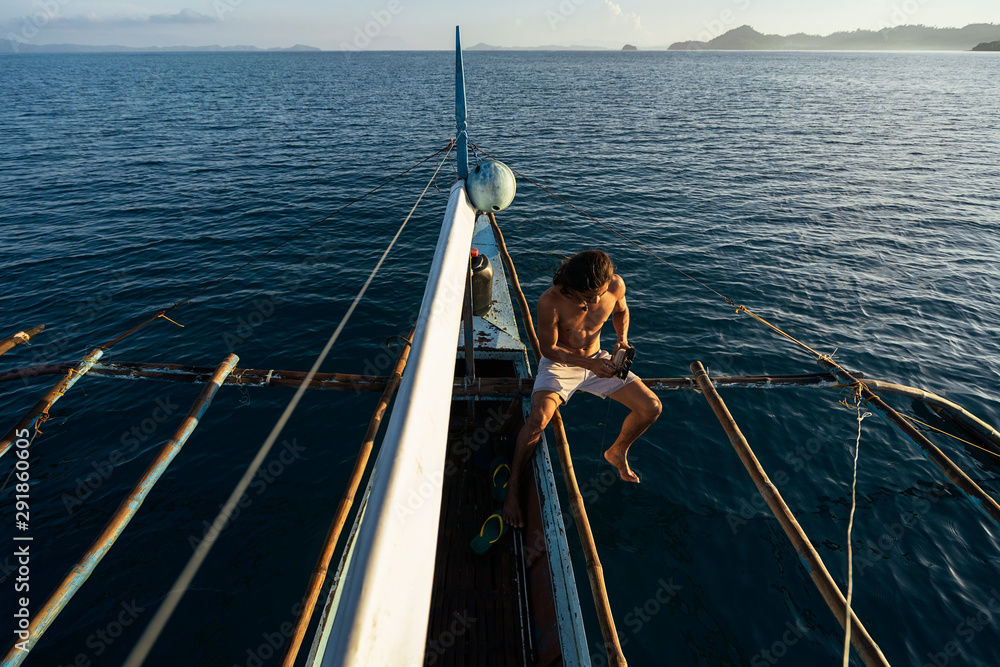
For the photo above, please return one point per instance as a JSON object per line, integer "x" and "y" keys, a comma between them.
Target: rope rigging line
{"x": 608, "y": 227}
{"x": 950, "y": 435}
{"x": 739, "y": 307}
{"x": 850, "y": 528}
{"x": 183, "y": 302}
{"x": 163, "y": 614}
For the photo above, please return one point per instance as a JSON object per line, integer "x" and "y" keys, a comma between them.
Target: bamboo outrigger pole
{"x": 256, "y": 377}
{"x": 40, "y": 412}
{"x": 346, "y": 502}
{"x": 967, "y": 421}
{"x": 862, "y": 641}
{"x": 247, "y": 377}
{"x": 82, "y": 570}
{"x": 20, "y": 337}
{"x": 595, "y": 572}
{"x": 933, "y": 454}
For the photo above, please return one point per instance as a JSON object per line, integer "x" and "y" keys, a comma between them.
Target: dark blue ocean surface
{"x": 852, "y": 199}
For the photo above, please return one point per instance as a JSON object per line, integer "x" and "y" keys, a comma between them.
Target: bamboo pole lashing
{"x": 595, "y": 571}
{"x": 40, "y": 411}
{"x": 861, "y": 640}
{"x": 12, "y": 341}
{"x": 346, "y": 502}
{"x": 44, "y": 617}
{"x": 956, "y": 475}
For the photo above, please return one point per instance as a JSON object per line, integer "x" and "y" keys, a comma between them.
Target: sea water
{"x": 849, "y": 198}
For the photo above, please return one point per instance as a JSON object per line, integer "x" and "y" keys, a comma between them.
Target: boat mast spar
{"x": 461, "y": 111}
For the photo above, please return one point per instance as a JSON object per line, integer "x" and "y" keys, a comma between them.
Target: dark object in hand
{"x": 623, "y": 362}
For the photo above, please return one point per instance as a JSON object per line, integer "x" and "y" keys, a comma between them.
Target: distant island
{"x": 899, "y": 38}
{"x": 985, "y": 37}
{"x": 482, "y": 46}
{"x": 11, "y": 46}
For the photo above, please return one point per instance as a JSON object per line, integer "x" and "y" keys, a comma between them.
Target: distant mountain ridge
{"x": 899, "y": 38}
{"x": 482, "y": 46}
{"x": 11, "y": 46}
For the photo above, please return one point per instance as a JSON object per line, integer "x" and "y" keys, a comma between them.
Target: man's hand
{"x": 620, "y": 345}
{"x": 602, "y": 368}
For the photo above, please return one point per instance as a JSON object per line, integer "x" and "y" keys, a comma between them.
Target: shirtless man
{"x": 585, "y": 292}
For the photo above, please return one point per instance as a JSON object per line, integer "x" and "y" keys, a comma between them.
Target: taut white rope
{"x": 850, "y": 526}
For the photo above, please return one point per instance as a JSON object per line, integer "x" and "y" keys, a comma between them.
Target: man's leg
{"x": 645, "y": 408}
{"x": 543, "y": 406}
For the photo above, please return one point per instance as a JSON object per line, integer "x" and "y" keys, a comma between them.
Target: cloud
{"x": 185, "y": 16}
{"x": 617, "y": 10}
{"x": 53, "y": 19}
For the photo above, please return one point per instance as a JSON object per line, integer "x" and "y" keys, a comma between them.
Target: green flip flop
{"x": 493, "y": 529}
{"x": 500, "y": 476}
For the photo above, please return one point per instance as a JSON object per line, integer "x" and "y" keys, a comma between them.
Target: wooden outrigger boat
{"x": 409, "y": 588}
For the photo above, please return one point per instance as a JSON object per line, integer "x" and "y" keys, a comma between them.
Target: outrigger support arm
{"x": 258, "y": 377}
{"x": 18, "y": 338}
{"x": 967, "y": 421}
{"x": 933, "y": 454}
{"x": 44, "y": 617}
{"x": 862, "y": 641}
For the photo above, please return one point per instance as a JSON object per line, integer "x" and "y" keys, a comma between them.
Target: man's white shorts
{"x": 566, "y": 380}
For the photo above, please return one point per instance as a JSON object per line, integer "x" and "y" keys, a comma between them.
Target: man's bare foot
{"x": 512, "y": 511}
{"x": 621, "y": 462}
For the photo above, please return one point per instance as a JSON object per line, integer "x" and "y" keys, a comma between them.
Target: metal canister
{"x": 482, "y": 283}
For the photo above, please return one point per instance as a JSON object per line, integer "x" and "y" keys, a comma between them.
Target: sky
{"x": 430, "y": 24}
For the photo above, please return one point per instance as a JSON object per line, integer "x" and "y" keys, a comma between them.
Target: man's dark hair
{"x": 585, "y": 271}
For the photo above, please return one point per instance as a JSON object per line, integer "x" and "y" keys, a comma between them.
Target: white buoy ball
{"x": 491, "y": 186}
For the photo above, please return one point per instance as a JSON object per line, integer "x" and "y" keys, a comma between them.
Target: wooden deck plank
{"x": 468, "y": 586}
